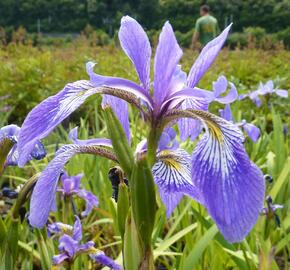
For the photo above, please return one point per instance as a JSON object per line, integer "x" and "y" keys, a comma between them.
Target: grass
{"x": 188, "y": 239}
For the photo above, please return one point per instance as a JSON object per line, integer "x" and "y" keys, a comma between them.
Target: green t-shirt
{"x": 207, "y": 27}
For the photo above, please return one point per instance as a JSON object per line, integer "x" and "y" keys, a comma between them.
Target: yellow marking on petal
{"x": 170, "y": 159}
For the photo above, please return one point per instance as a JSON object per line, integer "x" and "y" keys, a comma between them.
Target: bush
{"x": 184, "y": 39}
{"x": 284, "y": 36}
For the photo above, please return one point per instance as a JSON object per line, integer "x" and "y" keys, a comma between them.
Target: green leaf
{"x": 122, "y": 207}
{"x": 191, "y": 260}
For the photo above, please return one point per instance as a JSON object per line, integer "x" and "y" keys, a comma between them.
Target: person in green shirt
{"x": 206, "y": 27}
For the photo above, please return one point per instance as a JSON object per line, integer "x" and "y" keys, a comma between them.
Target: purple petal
{"x": 167, "y": 140}
{"x": 226, "y": 113}
{"x": 77, "y": 230}
{"x": 232, "y": 186}
{"x": 120, "y": 108}
{"x": 190, "y": 127}
{"x": 44, "y": 191}
{"x": 101, "y": 258}
{"x": 172, "y": 174}
{"x": 91, "y": 201}
{"x": 71, "y": 184}
{"x": 38, "y": 152}
{"x": 170, "y": 200}
{"x": 178, "y": 81}
{"x": 68, "y": 245}
{"x": 10, "y": 131}
{"x": 58, "y": 227}
{"x": 86, "y": 247}
{"x": 230, "y": 97}
{"x": 168, "y": 54}
{"x": 73, "y": 135}
{"x": 252, "y": 131}
{"x": 206, "y": 58}
{"x": 135, "y": 44}
{"x": 58, "y": 259}
{"x": 220, "y": 86}
{"x": 282, "y": 93}
{"x": 49, "y": 113}
{"x": 118, "y": 83}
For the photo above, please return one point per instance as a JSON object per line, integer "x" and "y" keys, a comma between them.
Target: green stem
{"x": 152, "y": 145}
{"x": 23, "y": 195}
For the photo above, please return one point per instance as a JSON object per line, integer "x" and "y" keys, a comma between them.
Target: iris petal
{"x": 232, "y": 186}
{"x": 206, "y": 58}
{"x": 168, "y": 54}
{"x": 134, "y": 40}
{"x": 49, "y": 113}
{"x": 172, "y": 174}
{"x": 44, "y": 191}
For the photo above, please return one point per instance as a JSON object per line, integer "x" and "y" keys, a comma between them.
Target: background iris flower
{"x": 70, "y": 246}
{"x": 218, "y": 174}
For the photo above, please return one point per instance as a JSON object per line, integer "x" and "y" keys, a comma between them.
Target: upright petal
{"x": 230, "y": 97}
{"x": 77, "y": 230}
{"x": 232, "y": 186}
{"x": 44, "y": 191}
{"x": 136, "y": 45}
{"x": 168, "y": 54}
{"x": 172, "y": 174}
{"x": 226, "y": 113}
{"x": 220, "y": 86}
{"x": 206, "y": 58}
{"x": 120, "y": 84}
{"x": 120, "y": 108}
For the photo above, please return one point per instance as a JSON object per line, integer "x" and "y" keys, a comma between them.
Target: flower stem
{"x": 152, "y": 146}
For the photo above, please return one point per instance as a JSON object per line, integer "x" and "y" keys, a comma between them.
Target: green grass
{"x": 189, "y": 239}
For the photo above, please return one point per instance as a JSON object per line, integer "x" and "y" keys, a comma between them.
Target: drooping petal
{"x": 232, "y": 186}
{"x": 282, "y": 93}
{"x": 44, "y": 191}
{"x": 77, "y": 230}
{"x": 101, "y": 258}
{"x": 230, "y": 97}
{"x": 120, "y": 108}
{"x": 73, "y": 135}
{"x": 58, "y": 227}
{"x": 10, "y": 131}
{"x": 136, "y": 45}
{"x": 252, "y": 131}
{"x": 58, "y": 259}
{"x": 49, "y": 113}
{"x": 172, "y": 174}
{"x": 206, "y": 58}
{"x": 91, "y": 201}
{"x": 168, "y": 54}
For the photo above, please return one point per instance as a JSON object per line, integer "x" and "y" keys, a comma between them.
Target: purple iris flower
{"x": 251, "y": 130}
{"x": 270, "y": 210}
{"x": 71, "y": 185}
{"x": 70, "y": 246}
{"x": 12, "y": 132}
{"x": 219, "y": 173}
{"x": 264, "y": 89}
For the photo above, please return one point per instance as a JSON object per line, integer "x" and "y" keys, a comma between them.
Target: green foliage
{"x": 284, "y": 35}
{"x": 188, "y": 239}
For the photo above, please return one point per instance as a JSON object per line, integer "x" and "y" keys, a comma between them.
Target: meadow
{"x": 188, "y": 239}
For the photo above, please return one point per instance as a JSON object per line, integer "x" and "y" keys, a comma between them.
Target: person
{"x": 206, "y": 27}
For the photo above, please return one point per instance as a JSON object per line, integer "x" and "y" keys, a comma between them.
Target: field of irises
{"x": 181, "y": 167}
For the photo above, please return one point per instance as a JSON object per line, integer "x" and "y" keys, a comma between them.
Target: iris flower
{"x": 11, "y": 132}
{"x": 251, "y": 130}
{"x": 264, "y": 89}
{"x": 70, "y": 246}
{"x": 218, "y": 174}
{"x": 70, "y": 185}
